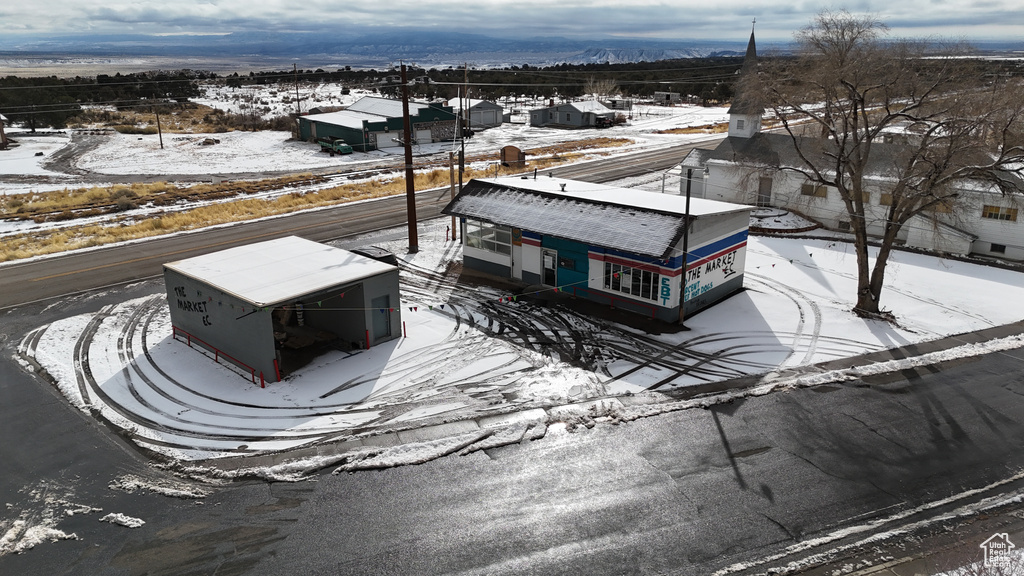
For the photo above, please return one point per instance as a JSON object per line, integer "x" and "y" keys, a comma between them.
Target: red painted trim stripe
{"x": 717, "y": 254}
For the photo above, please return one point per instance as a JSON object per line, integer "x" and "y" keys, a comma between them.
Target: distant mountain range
{"x": 424, "y": 48}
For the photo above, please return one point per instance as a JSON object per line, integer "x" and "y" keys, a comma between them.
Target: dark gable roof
{"x": 631, "y": 229}
{"x": 773, "y": 150}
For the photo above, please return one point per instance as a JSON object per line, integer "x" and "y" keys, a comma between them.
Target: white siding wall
{"x": 486, "y": 255}
{"x": 923, "y": 232}
{"x": 735, "y": 184}
{"x": 531, "y": 259}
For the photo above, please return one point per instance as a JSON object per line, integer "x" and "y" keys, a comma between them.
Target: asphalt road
{"x": 681, "y": 493}
{"x": 73, "y": 273}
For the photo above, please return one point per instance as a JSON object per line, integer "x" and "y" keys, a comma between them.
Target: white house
{"x": 571, "y": 115}
{"x": 748, "y": 167}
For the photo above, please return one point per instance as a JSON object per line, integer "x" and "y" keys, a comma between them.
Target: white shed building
{"x": 269, "y": 307}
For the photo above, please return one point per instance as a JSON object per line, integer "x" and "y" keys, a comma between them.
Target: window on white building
{"x": 632, "y": 281}
{"x": 812, "y": 189}
{"x": 490, "y": 237}
{"x": 999, "y": 213}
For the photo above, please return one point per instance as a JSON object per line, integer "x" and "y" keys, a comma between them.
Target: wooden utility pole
{"x": 159, "y": 131}
{"x": 410, "y": 183}
{"x": 686, "y": 248}
{"x": 451, "y": 178}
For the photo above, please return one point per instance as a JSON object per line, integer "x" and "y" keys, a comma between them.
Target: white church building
{"x": 749, "y": 167}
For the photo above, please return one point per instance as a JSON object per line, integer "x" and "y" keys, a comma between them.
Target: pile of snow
{"x": 122, "y": 520}
{"x": 37, "y": 518}
{"x": 21, "y": 537}
{"x": 131, "y": 483}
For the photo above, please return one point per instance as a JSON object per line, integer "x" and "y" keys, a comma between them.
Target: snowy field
{"x": 118, "y": 155}
{"x": 500, "y": 364}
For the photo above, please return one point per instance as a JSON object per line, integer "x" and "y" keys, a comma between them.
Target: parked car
{"x": 334, "y": 146}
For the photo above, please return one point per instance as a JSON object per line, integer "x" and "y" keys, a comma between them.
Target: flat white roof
{"x": 344, "y": 118}
{"x": 630, "y": 197}
{"x": 269, "y": 273}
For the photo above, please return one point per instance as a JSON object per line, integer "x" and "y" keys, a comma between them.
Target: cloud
{"x": 528, "y": 18}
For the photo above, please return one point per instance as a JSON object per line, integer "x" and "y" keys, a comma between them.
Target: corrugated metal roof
{"x": 778, "y": 151}
{"x": 635, "y": 221}
{"x": 384, "y": 107}
{"x": 269, "y": 273}
{"x": 342, "y": 118}
{"x": 582, "y": 107}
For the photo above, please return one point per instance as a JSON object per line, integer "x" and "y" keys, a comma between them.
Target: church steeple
{"x": 750, "y": 59}
{"x": 746, "y": 109}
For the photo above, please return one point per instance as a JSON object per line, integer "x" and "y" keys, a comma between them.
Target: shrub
{"x": 131, "y": 129}
{"x": 126, "y": 203}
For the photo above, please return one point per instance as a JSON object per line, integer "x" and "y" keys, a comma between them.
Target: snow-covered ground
{"x": 453, "y": 365}
{"x": 248, "y": 152}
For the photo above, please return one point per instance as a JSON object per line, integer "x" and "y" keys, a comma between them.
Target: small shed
{"x": 272, "y": 306}
{"x": 618, "y": 246}
{"x": 620, "y": 103}
{"x": 666, "y": 98}
{"x": 512, "y": 156}
{"x": 571, "y": 115}
{"x": 483, "y": 114}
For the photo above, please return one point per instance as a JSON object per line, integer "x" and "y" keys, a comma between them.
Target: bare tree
{"x": 601, "y": 87}
{"x": 850, "y": 86}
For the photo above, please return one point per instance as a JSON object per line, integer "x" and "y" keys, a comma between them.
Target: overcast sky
{"x": 719, "y": 19}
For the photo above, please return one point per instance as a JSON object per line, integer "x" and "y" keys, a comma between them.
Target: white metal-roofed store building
{"x": 269, "y": 307}
{"x": 617, "y": 246}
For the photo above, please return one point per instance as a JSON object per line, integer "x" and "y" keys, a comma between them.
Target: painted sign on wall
{"x": 193, "y": 306}
{"x": 705, "y": 274}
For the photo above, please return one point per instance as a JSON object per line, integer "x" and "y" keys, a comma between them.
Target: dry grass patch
{"x": 185, "y": 118}
{"x": 578, "y": 145}
{"x": 83, "y": 202}
{"x": 68, "y": 204}
{"x": 705, "y": 129}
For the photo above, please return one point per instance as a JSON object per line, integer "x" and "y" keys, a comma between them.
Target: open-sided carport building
{"x": 271, "y": 306}
{"x": 617, "y": 246}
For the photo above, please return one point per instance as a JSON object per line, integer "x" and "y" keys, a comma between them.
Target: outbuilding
{"x": 617, "y": 246}
{"x": 572, "y": 115}
{"x": 666, "y": 98}
{"x": 483, "y": 114}
{"x": 372, "y": 123}
{"x": 270, "y": 307}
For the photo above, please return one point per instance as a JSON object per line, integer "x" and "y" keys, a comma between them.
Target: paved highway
{"x": 40, "y": 279}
